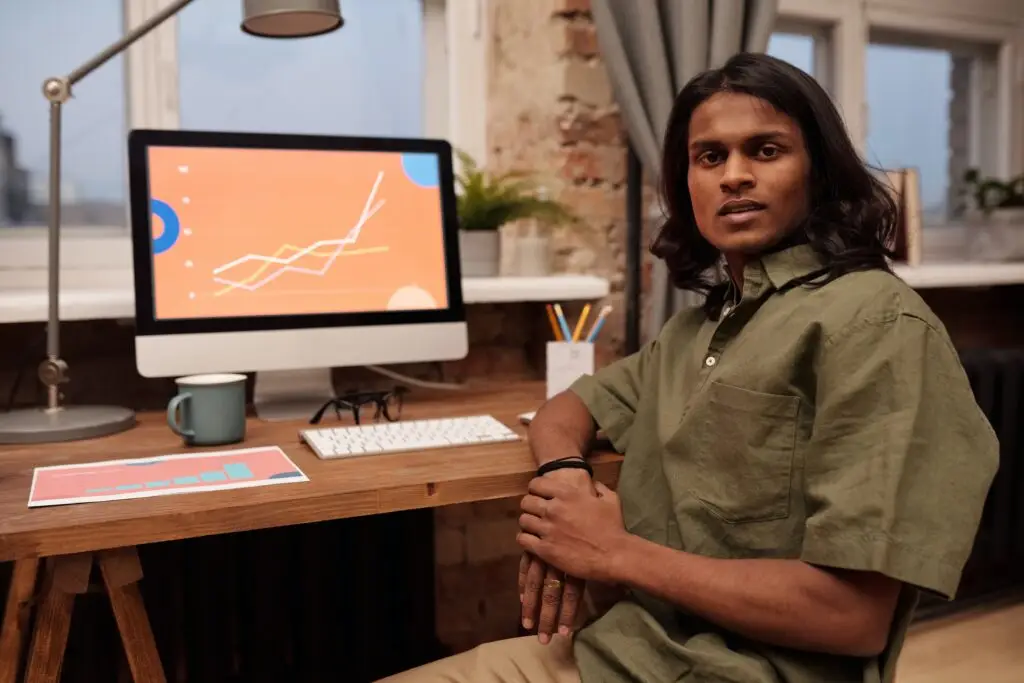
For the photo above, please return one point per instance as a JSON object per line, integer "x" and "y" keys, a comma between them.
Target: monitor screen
{"x": 252, "y": 232}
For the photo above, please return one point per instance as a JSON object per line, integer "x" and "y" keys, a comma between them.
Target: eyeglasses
{"x": 387, "y": 405}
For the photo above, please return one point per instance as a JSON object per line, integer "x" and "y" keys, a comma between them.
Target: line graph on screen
{"x": 295, "y": 232}
{"x": 330, "y": 250}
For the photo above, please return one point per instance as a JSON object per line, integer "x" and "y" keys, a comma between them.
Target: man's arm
{"x": 562, "y": 427}
{"x": 567, "y": 424}
{"x": 782, "y": 602}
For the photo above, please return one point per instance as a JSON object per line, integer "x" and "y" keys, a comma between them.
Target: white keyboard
{"x": 406, "y": 435}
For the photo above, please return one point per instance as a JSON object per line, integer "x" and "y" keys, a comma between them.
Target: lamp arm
{"x": 53, "y": 370}
{"x": 126, "y": 40}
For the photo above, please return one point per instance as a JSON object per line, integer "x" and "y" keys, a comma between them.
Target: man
{"x": 803, "y": 455}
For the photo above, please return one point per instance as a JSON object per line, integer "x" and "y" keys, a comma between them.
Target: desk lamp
{"x": 55, "y": 422}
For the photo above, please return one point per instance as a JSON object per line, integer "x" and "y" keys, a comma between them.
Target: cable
{"x": 15, "y": 385}
{"x": 24, "y": 364}
{"x": 423, "y": 384}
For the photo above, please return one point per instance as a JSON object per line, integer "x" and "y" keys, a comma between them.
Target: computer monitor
{"x": 271, "y": 253}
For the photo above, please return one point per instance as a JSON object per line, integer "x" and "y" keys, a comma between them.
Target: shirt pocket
{"x": 744, "y": 444}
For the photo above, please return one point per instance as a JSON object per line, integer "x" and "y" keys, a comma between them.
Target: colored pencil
{"x": 579, "y": 323}
{"x": 554, "y": 323}
{"x": 566, "y": 334}
{"x": 598, "y": 323}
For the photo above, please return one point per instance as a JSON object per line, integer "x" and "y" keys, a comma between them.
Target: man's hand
{"x": 550, "y": 599}
{"x": 568, "y": 527}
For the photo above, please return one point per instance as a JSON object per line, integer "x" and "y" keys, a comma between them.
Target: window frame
{"x": 99, "y": 257}
{"x": 841, "y": 24}
{"x": 849, "y": 26}
{"x": 821, "y": 34}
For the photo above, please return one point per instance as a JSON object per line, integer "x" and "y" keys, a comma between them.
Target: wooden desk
{"x": 74, "y": 537}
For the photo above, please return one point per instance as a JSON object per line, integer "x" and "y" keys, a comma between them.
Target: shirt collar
{"x": 786, "y": 265}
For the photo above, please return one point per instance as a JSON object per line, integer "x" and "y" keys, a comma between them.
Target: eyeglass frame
{"x": 355, "y": 400}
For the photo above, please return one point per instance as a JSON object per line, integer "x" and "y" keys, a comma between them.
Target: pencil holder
{"x": 566, "y": 362}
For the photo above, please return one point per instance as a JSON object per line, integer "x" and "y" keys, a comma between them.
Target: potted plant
{"x": 999, "y": 201}
{"x": 485, "y": 202}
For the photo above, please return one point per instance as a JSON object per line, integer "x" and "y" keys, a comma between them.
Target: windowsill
{"x": 962, "y": 274}
{"x": 30, "y": 305}
{"x": 105, "y": 304}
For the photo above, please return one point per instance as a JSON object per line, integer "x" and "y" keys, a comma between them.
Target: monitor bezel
{"x": 141, "y": 140}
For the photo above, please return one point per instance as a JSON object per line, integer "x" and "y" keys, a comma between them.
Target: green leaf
{"x": 991, "y": 193}
{"x": 486, "y": 202}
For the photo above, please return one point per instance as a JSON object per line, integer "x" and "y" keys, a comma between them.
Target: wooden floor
{"x": 984, "y": 645}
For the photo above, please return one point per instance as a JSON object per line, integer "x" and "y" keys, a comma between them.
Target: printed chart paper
{"x": 163, "y": 475}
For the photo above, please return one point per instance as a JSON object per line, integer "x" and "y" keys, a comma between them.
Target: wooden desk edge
{"x": 109, "y": 534}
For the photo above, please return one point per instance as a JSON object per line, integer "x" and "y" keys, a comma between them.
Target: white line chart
{"x": 369, "y": 209}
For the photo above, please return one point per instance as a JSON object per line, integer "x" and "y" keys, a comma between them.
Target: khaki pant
{"x": 517, "y": 660}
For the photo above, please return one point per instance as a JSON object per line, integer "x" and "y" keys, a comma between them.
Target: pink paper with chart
{"x": 162, "y": 476}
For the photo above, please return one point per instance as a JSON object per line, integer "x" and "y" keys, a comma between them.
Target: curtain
{"x": 652, "y": 48}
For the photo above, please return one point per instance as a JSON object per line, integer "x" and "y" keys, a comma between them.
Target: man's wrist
{"x": 566, "y": 462}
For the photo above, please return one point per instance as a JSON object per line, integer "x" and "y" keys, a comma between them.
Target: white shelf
{"x": 485, "y": 290}
{"x": 965, "y": 274}
{"x": 103, "y": 304}
{"x": 84, "y": 304}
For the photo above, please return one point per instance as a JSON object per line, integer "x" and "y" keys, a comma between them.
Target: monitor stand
{"x": 291, "y": 394}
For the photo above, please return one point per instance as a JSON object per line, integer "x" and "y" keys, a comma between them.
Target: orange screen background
{"x": 277, "y": 204}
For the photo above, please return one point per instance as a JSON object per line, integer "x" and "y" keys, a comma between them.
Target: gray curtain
{"x": 652, "y": 48}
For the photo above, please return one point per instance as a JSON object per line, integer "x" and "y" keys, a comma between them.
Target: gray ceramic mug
{"x": 209, "y": 410}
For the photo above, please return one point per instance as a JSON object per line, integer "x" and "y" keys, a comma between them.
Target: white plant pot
{"x": 480, "y": 253}
{"x": 533, "y": 256}
{"x": 999, "y": 235}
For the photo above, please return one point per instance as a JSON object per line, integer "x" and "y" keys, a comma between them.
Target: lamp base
{"x": 67, "y": 423}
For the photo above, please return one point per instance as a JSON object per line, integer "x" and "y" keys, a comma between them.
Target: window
{"x": 366, "y": 79}
{"x": 921, "y": 113}
{"x": 93, "y": 172}
{"x": 397, "y": 68}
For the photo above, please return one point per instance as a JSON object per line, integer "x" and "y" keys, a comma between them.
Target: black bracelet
{"x": 569, "y": 462}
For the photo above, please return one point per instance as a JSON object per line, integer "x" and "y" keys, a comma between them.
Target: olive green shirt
{"x": 834, "y": 425}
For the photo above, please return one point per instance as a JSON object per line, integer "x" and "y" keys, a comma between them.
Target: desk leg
{"x": 66, "y": 576}
{"x": 121, "y": 574}
{"x": 16, "y": 617}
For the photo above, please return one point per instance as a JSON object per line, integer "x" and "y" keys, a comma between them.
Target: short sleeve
{"x": 900, "y": 458}
{"x": 613, "y": 393}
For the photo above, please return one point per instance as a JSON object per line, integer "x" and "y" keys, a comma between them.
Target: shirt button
{"x": 710, "y": 361}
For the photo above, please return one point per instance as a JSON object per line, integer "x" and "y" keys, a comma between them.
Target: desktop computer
{"x": 287, "y": 255}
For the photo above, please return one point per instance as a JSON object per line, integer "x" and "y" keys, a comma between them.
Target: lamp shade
{"x": 290, "y": 18}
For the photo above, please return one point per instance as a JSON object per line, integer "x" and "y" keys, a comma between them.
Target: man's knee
{"x": 517, "y": 660}
{"x": 526, "y": 659}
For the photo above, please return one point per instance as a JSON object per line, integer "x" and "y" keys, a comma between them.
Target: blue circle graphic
{"x": 172, "y": 226}
{"x": 421, "y": 169}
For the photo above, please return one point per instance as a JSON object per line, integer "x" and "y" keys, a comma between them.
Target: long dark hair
{"x": 853, "y": 216}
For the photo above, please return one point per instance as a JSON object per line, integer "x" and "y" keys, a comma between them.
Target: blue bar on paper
{"x": 238, "y": 470}
{"x": 129, "y": 487}
{"x": 157, "y": 484}
{"x": 213, "y": 476}
{"x": 186, "y": 480}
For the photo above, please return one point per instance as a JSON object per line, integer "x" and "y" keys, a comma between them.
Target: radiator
{"x": 996, "y": 564}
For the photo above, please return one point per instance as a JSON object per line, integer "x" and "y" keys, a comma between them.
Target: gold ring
{"x": 552, "y": 583}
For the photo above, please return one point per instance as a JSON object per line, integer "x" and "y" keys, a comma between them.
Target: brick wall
{"x": 551, "y": 112}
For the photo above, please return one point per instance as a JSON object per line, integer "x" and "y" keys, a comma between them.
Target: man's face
{"x": 749, "y": 173}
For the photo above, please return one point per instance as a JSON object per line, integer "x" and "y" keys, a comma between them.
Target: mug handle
{"x": 173, "y": 409}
